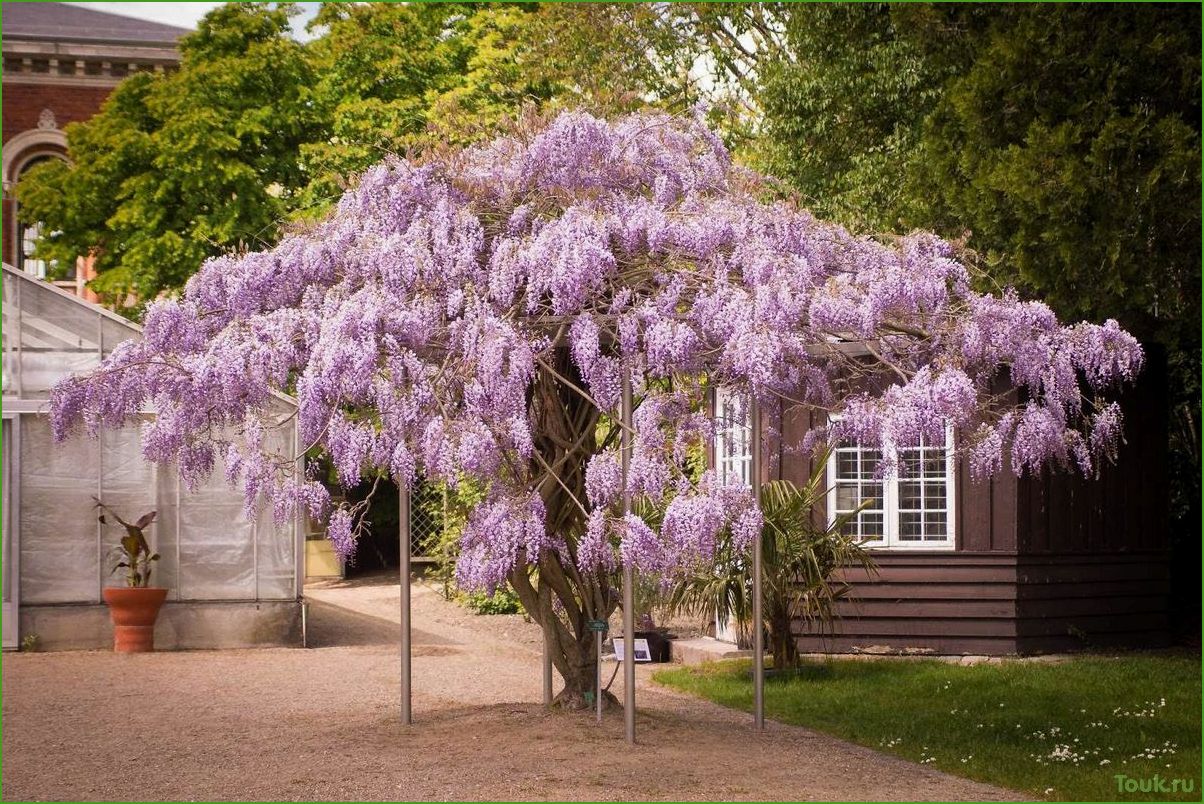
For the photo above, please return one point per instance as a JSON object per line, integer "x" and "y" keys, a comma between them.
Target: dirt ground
{"x": 321, "y": 723}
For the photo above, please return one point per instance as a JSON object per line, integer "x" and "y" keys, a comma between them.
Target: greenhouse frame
{"x": 233, "y": 581}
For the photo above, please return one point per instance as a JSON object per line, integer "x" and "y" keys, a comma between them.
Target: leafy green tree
{"x": 842, "y": 101}
{"x": 1070, "y": 147}
{"x": 1062, "y": 141}
{"x": 256, "y": 129}
{"x": 380, "y": 68}
{"x": 404, "y": 78}
{"x": 178, "y": 167}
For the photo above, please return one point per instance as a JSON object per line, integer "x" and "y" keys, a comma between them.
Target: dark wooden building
{"x": 1036, "y": 564}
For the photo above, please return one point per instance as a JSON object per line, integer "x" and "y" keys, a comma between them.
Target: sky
{"x": 186, "y": 15}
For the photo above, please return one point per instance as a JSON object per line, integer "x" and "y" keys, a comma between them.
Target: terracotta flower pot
{"x": 134, "y": 611}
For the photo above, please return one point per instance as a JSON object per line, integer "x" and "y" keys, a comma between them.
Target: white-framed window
{"x": 733, "y": 437}
{"x": 733, "y": 462}
{"x": 909, "y": 508}
{"x": 30, "y": 232}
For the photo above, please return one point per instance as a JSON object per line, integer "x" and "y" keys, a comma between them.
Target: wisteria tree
{"x": 473, "y": 318}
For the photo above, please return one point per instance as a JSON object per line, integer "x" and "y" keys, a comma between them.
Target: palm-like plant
{"x": 133, "y": 553}
{"x": 801, "y": 549}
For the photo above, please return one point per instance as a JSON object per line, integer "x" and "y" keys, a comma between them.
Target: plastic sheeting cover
{"x": 209, "y": 549}
{"x": 60, "y": 555}
{"x": 12, "y": 296}
{"x": 277, "y": 544}
{"x": 59, "y": 337}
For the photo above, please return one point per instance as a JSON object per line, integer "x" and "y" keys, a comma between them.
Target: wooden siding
{"x": 1088, "y": 600}
{"x": 938, "y": 602}
{"x": 1051, "y": 563}
{"x": 1122, "y": 510}
{"x": 991, "y": 603}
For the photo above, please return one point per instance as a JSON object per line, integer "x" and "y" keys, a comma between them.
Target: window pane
{"x": 870, "y": 458}
{"x": 872, "y": 492}
{"x": 846, "y": 464}
{"x": 847, "y": 497}
{"x": 923, "y": 493}
{"x": 871, "y": 525}
{"x": 909, "y": 462}
{"x": 733, "y": 443}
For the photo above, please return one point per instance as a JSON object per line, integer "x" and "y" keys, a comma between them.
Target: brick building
{"x": 60, "y": 63}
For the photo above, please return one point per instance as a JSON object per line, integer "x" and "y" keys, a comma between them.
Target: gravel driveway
{"x": 321, "y": 723}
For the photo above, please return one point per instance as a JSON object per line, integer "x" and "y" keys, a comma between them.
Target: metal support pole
{"x": 628, "y": 578}
{"x": 547, "y": 669}
{"x": 598, "y": 674}
{"x": 403, "y": 514}
{"x": 758, "y": 621}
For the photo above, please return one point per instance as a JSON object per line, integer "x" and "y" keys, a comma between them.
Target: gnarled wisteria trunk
{"x": 558, "y": 597}
{"x": 473, "y": 317}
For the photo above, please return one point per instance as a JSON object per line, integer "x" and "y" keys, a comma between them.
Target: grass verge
{"x": 1062, "y": 731}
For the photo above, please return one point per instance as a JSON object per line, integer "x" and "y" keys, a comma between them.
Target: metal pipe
{"x": 628, "y": 578}
{"x": 547, "y": 668}
{"x": 598, "y": 674}
{"x": 403, "y": 515}
{"x": 758, "y": 621}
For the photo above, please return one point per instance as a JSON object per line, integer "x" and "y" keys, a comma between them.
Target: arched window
{"x": 28, "y": 233}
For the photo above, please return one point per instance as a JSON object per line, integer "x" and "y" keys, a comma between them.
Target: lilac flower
{"x": 746, "y": 528}
{"x": 499, "y": 534}
{"x": 339, "y": 530}
{"x": 604, "y": 479}
{"x": 1039, "y": 438}
{"x": 595, "y": 554}
{"x": 692, "y": 524}
{"x": 641, "y": 547}
{"x": 434, "y": 322}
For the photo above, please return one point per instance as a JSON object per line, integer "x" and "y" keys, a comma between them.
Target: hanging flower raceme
{"x": 460, "y": 319}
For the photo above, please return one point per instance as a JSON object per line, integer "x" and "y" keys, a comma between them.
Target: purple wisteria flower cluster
{"x": 414, "y": 322}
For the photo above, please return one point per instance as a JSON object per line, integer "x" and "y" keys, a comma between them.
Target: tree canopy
{"x": 177, "y": 168}
{"x": 473, "y": 317}
{"x": 256, "y": 129}
{"x": 1059, "y": 144}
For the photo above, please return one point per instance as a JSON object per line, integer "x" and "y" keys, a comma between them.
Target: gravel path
{"x": 321, "y": 723}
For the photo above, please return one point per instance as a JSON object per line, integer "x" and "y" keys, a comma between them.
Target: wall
{"x": 23, "y": 105}
{"x": 939, "y": 603}
{"x": 181, "y": 626}
{"x": 1094, "y": 566}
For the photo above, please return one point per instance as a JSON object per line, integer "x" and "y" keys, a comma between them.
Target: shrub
{"x": 503, "y": 601}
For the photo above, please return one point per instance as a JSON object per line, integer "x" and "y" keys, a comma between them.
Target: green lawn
{"x": 1058, "y": 731}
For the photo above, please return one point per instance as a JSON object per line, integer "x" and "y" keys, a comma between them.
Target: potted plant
{"x": 135, "y": 606}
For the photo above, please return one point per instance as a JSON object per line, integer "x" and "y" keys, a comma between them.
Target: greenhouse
{"x": 233, "y": 581}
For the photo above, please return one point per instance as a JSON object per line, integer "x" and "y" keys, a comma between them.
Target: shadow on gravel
{"x": 329, "y": 626}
